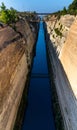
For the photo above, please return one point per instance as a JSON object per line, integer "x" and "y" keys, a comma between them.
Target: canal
{"x": 39, "y": 114}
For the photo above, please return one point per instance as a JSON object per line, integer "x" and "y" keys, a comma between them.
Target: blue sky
{"x": 37, "y": 5}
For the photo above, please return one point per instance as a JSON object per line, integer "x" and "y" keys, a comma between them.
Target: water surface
{"x": 39, "y": 114}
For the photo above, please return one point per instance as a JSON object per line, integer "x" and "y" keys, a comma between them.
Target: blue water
{"x": 39, "y": 114}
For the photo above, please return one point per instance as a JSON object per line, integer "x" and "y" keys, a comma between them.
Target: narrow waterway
{"x": 39, "y": 114}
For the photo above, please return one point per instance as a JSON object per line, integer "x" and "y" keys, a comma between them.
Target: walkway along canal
{"x": 39, "y": 114}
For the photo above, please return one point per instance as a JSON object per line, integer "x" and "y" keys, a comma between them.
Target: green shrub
{"x": 58, "y": 32}
{"x": 7, "y": 15}
{"x": 53, "y": 35}
{"x": 72, "y": 9}
{"x": 61, "y": 26}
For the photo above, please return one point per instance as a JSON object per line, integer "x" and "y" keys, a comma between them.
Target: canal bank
{"x": 39, "y": 113}
{"x": 52, "y": 56}
{"x": 24, "y": 100}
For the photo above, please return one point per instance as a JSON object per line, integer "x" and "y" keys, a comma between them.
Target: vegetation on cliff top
{"x": 72, "y": 9}
{"x": 8, "y": 16}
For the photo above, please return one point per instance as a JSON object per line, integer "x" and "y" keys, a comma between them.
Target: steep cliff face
{"x": 58, "y": 30}
{"x": 68, "y": 57}
{"x": 65, "y": 72}
{"x": 16, "y": 52}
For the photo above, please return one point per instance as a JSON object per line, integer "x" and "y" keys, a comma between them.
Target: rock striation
{"x": 58, "y": 30}
{"x": 68, "y": 57}
{"x": 64, "y": 70}
{"x": 16, "y": 53}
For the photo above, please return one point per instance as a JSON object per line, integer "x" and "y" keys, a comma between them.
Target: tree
{"x": 13, "y": 15}
{"x": 4, "y": 16}
{"x": 72, "y": 9}
{"x": 64, "y": 11}
{"x": 8, "y": 15}
{"x": 73, "y": 6}
{"x": 3, "y": 7}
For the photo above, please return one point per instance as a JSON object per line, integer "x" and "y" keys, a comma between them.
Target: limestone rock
{"x": 68, "y": 57}
{"x": 16, "y": 48}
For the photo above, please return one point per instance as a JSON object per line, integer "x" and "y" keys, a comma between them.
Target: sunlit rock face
{"x": 68, "y": 57}
{"x": 16, "y": 48}
{"x": 62, "y": 25}
{"x": 66, "y": 45}
{"x": 64, "y": 66}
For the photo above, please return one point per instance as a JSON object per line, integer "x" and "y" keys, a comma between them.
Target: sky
{"x": 46, "y": 6}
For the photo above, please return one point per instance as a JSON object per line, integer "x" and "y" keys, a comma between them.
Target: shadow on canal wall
{"x": 56, "y": 106}
{"x": 64, "y": 100}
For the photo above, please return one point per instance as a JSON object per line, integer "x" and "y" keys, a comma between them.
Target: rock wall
{"x": 64, "y": 73}
{"x": 16, "y": 53}
{"x": 58, "y": 30}
{"x": 68, "y": 57}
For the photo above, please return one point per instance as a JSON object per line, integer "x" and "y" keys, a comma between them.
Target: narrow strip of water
{"x": 39, "y": 114}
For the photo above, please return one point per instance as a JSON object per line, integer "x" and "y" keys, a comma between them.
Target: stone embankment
{"x": 16, "y": 53}
{"x": 64, "y": 68}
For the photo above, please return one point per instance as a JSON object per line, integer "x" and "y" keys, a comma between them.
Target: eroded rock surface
{"x": 58, "y": 30}
{"x": 68, "y": 57}
{"x": 64, "y": 70}
{"x": 16, "y": 53}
